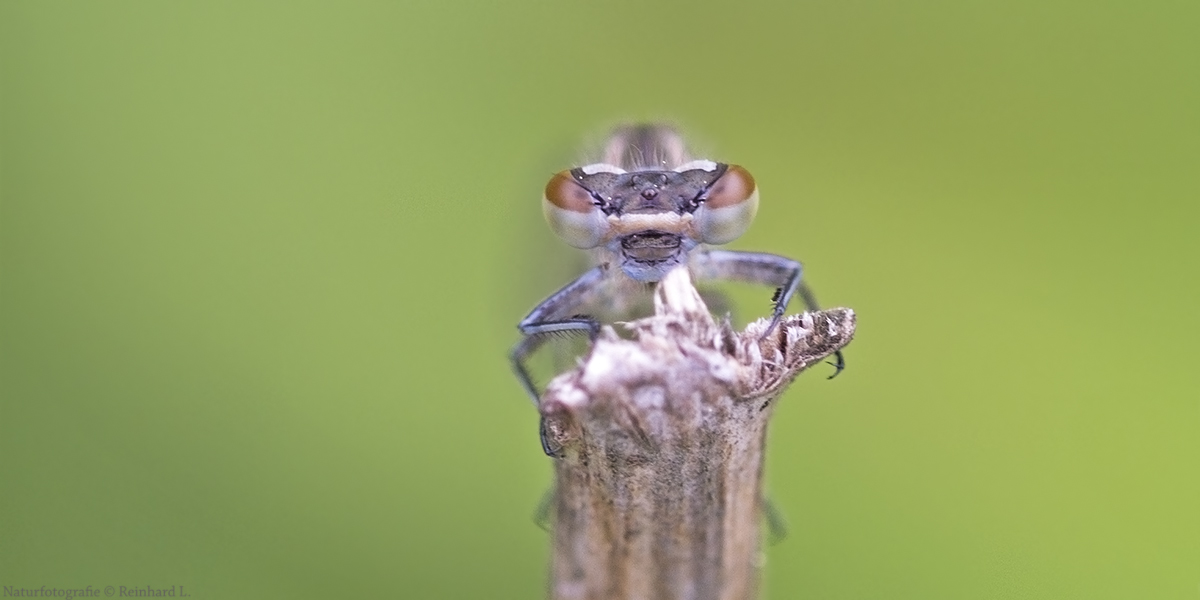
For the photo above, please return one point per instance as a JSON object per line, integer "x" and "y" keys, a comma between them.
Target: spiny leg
{"x": 554, "y": 315}
{"x": 536, "y": 335}
{"x": 784, "y": 274}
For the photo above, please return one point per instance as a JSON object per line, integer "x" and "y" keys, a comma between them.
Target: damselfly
{"x": 646, "y": 208}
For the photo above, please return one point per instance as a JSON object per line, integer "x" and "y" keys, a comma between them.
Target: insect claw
{"x": 839, "y": 366}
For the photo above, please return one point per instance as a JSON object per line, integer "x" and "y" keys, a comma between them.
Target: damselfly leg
{"x": 770, "y": 270}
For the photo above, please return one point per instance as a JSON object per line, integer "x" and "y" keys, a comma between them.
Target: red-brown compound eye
{"x": 728, "y": 209}
{"x": 571, "y": 214}
{"x": 564, "y": 192}
{"x": 734, "y": 187}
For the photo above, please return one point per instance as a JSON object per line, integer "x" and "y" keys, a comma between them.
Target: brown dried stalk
{"x": 659, "y": 491}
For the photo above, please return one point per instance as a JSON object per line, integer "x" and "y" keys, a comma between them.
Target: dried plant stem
{"x": 659, "y": 490}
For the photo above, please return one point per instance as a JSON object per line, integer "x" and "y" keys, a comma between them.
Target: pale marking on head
{"x": 666, "y": 222}
{"x": 592, "y": 169}
{"x": 703, "y": 165}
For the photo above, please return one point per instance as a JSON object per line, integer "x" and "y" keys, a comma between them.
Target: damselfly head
{"x": 700, "y": 202}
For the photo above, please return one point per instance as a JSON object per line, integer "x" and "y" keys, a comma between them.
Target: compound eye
{"x": 734, "y": 187}
{"x": 566, "y": 193}
{"x": 571, "y": 212}
{"x": 728, "y": 209}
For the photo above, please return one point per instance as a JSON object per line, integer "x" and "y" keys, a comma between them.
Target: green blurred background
{"x": 260, "y": 265}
